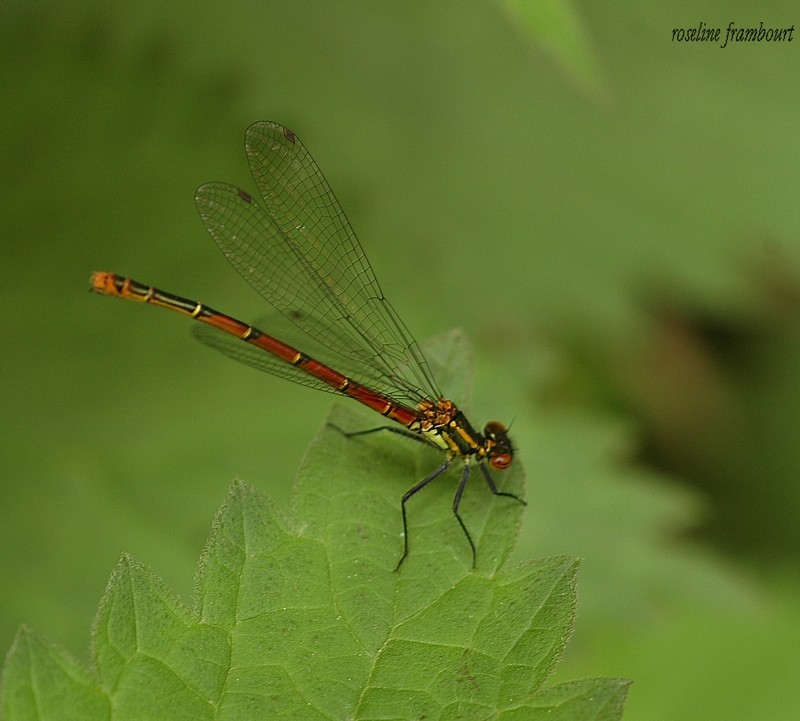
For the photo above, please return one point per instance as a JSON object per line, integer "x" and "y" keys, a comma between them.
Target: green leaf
{"x": 303, "y": 616}
{"x": 558, "y": 28}
{"x": 41, "y": 681}
{"x": 599, "y": 699}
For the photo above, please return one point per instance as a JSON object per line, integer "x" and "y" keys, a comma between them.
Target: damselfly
{"x": 300, "y": 253}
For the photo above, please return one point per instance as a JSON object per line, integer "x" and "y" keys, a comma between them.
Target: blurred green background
{"x": 610, "y": 215}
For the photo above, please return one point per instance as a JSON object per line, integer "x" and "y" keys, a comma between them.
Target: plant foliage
{"x": 301, "y": 615}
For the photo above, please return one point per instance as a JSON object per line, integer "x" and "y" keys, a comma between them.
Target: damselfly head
{"x": 500, "y": 452}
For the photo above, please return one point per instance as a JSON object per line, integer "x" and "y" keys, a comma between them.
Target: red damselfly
{"x": 299, "y": 252}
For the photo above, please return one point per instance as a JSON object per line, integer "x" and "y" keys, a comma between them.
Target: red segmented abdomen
{"x": 111, "y": 284}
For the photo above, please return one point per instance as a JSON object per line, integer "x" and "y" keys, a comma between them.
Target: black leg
{"x": 391, "y": 429}
{"x": 493, "y": 488}
{"x": 462, "y": 484}
{"x": 408, "y": 494}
